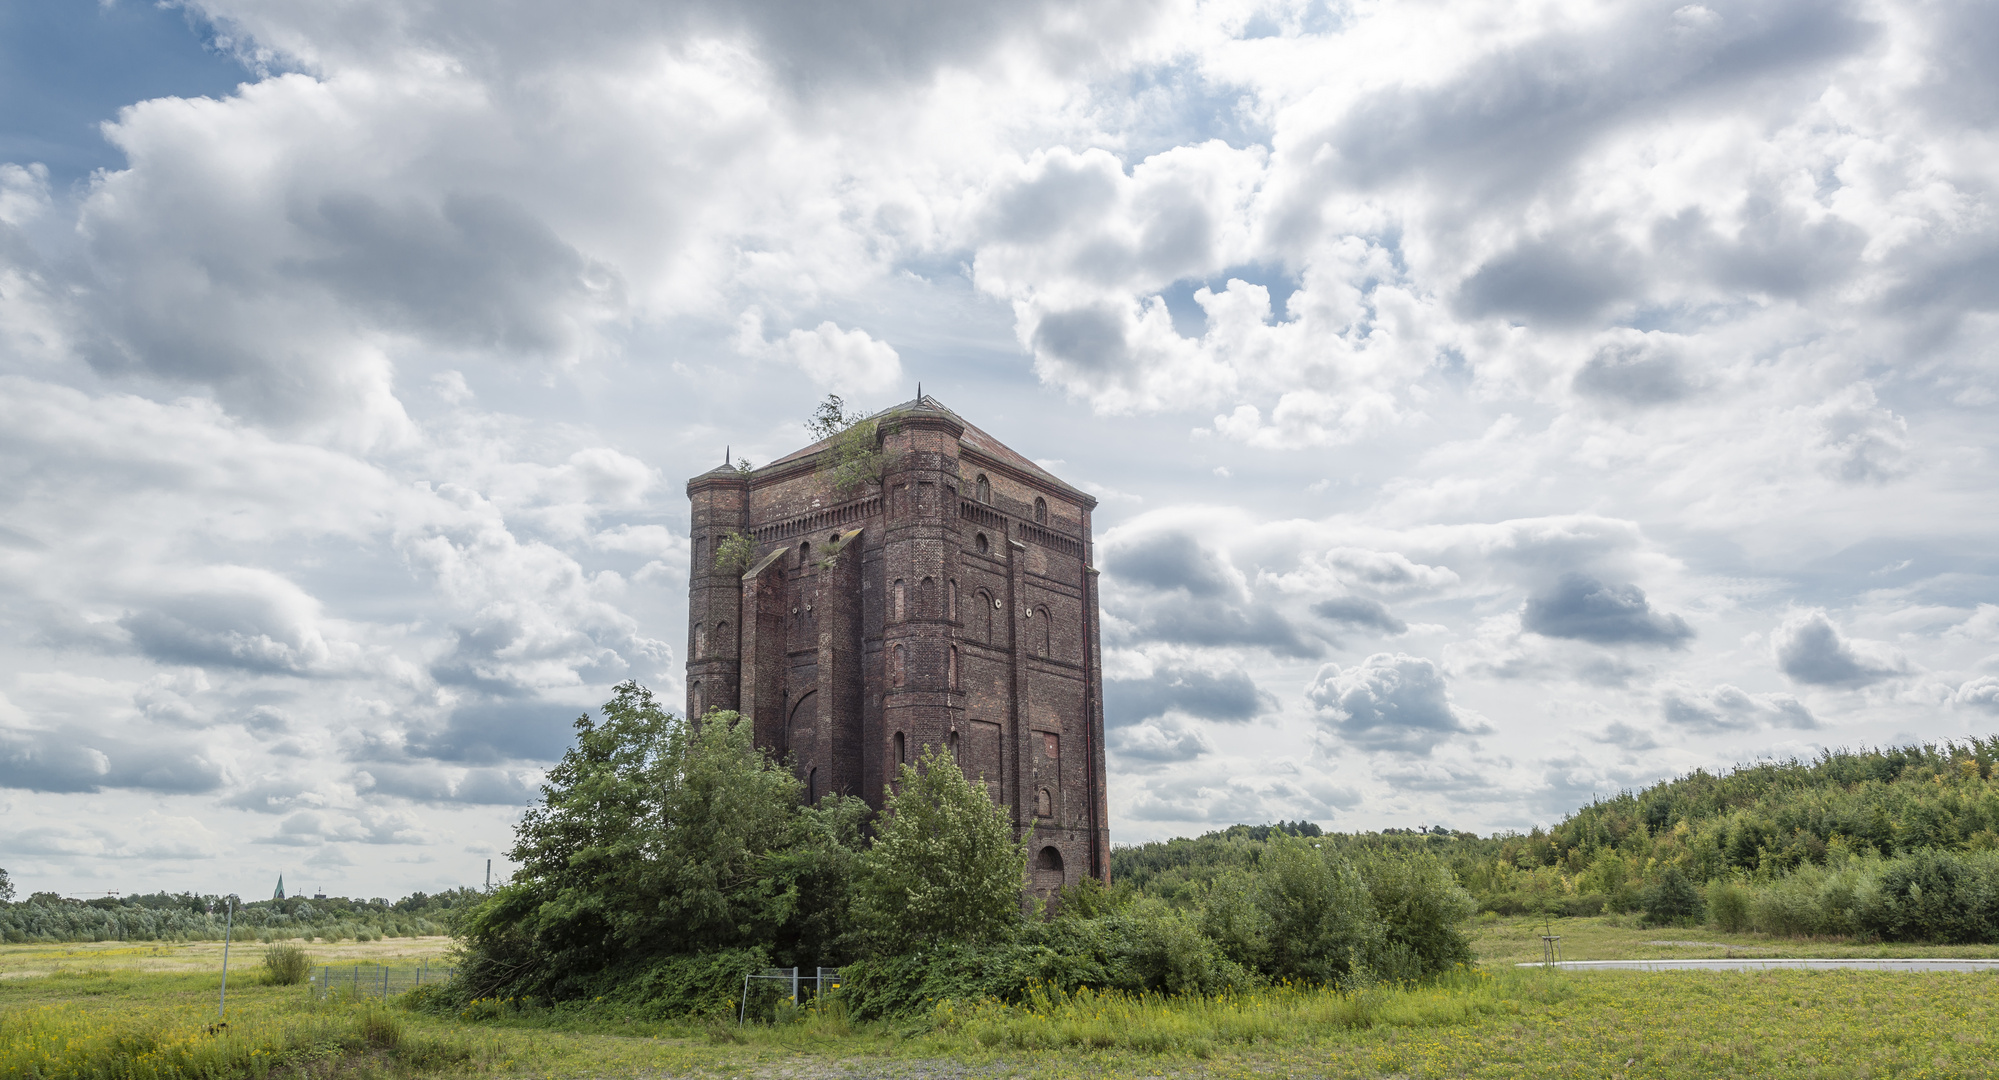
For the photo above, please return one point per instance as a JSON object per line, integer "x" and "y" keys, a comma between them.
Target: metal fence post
{"x": 794, "y": 986}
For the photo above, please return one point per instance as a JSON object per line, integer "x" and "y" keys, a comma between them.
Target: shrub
{"x": 1728, "y": 905}
{"x": 1935, "y": 896}
{"x": 1672, "y": 900}
{"x": 286, "y": 965}
{"x": 1421, "y": 906}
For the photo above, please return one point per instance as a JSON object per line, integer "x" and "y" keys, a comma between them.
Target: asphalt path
{"x": 1914, "y": 964}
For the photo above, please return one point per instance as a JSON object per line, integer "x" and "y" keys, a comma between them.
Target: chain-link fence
{"x": 356, "y": 981}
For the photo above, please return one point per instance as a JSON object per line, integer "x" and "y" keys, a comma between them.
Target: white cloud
{"x": 1810, "y": 649}
{"x": 848, "y": 361}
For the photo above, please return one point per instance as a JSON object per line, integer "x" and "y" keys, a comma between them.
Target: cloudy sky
{"x": 1490, "y": 404}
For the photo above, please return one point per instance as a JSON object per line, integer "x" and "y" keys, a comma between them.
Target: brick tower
{"x": 952, "y": 605}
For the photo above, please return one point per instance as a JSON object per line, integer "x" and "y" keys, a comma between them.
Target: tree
{"x": 1673, "y": 901}
{"x": 856, "y": 458}
{"x": 944, "y": 867}
{"x": 6, "y": 886}
{"x": 657, "y": 838}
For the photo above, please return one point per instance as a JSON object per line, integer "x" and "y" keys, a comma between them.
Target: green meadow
{"x": 148, "y": 1012}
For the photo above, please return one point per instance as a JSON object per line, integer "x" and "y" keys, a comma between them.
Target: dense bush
{"x": 658, "y": 840}
{"x": 286, "y": 965}
{"x": 1673, "y": 900}
{"x": 667, "y": 860}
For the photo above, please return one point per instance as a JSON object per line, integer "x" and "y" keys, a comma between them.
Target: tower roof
{"x": 974, "y": 438}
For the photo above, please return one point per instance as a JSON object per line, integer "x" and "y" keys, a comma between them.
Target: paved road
{"x": 1774, "y": 965}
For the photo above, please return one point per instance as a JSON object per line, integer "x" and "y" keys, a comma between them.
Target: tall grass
{"x": 1198, "y": 1024}
{"x": 84, "y": 1041}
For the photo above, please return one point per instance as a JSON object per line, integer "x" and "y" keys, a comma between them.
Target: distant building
{"x": 280, "y": 893}
{"x": 953, "y": 604}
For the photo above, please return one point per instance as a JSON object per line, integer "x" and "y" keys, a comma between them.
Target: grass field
{"x": 1502, "y": 942}
{"x": 97, "y": 1012}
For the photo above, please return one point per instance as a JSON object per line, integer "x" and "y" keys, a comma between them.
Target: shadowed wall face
{"x": 950, "y": 605}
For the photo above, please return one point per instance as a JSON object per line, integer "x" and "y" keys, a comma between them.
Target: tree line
{"x": 162, "y": 916}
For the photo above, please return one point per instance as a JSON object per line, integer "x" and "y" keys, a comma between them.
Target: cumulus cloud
{"x": 1810, "y": 649}
{"x": 1174, "y": 587}
{"x": 1726, "y": 708}
{"x": 1362, "y": 612}
{"x": 1582, "y": 607}
{"x": 1159, "y": 740}
{"x": 849, "y": 361}
{"x": 79, "y": 761}
{"x": 1979, "y": 693}
{"x": 1392, "y": 702}
{"x": 1227, "y": 697}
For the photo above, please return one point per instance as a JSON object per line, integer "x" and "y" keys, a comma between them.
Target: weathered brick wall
{"x": 951, "y": 606}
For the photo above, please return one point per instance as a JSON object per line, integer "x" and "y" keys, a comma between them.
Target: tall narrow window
{"x": 901, "y": 749}
{"x": 1051, "y": 746}
{"x": 897, "y": 667}
{"x": 1044, "y": 637}
{"x": 804, "y": 555}
{"x": 1044, "y": 803}
{"x": 951, "y": 670}
{"x": 982, "y": 617}
{"x": 985, "y": 546}
{"x": 1041, "y": 511}
{"x": 954, "y": 749}
{"x": 985, "y": 489}
{"x": 926, "y": 598}
{"x": 722, "y": 638}
{"x": 700, "y": 640}
{"x": 700, "y": 547}
{"x": 952, "y": 614}
{"x": 901, "y": 611}
{"x": 694, "y": 700}
{"x": 812, "y": 786}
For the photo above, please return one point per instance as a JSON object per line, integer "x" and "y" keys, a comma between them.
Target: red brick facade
{"x": 951, "y": 605}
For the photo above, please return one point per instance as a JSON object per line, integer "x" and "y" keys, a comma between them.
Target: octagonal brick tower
{"x": 953, "y": 604}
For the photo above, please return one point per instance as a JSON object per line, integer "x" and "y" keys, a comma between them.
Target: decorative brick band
{"x": 818, "y": 519}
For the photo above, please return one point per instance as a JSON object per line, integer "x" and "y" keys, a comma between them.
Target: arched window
{"x": 1044, "y": 637}
{"x": 952, "y": 614}
{"x": 1047, "y": 871}
{"x": 954, "y": 749}
{"x": 897, "y": 604}
{"x": 982, "y": 617}
{"x": 700, "y": 545}
{"x": 804, "y": 554}
{"x": 901, "y": 750}
{"x": 897, "y": 667}
{"x": 1040, "y": 511}
{"x": 700, "y": 640}
{"x": 1044, "y": 806}
{"x": 951, "y": 670}
{"x": 812, "y": 786}
{"x": 926, "y": 598}
{"x": 985, "y": 489}
{"x": 722, "y": 638}
{"x": 694, "y": 699}
{"x": 985, "y": 546}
